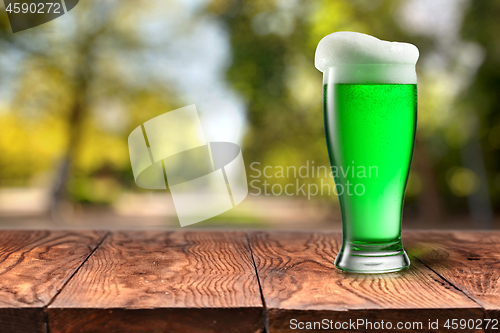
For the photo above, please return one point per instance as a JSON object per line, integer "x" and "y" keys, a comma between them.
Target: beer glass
{"x": 370, "y": 133}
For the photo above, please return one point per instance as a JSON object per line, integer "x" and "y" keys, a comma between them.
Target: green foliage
{"x": 73, "y": 96}
{"x": 481, "y": 25}
{"x": 273, "y": 45}
{"x": 75, "y": 99}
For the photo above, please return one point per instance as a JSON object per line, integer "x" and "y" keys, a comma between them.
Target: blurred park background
{"x": 73, "y": 89}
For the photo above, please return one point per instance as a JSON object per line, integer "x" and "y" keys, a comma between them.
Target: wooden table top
{"x": 234, "y": 281}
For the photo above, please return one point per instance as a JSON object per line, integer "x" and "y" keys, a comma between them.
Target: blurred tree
{"x": 273, "y": 45}
{"x": 76, "y": 89}
{"x": 482, "y": 98}
{"x": 76, "y": 93}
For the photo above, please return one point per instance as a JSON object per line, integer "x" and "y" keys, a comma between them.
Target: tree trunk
{"x": 430, "y": 204}
{"x": 75, "y": 119}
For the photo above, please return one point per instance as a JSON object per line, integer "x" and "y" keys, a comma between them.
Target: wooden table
{"x": 208, "y": 281}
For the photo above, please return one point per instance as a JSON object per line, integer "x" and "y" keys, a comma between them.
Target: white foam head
{"x": 351, "y": 57}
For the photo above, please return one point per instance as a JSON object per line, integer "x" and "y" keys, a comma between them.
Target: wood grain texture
{"x": 468, "y": 260}
{"x": 153, "y": 281}
{"x": 34, "y": 266}
{"x": 299, "y": 281}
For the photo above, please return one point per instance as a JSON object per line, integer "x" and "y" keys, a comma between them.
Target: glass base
{"x": 372, "y": 259}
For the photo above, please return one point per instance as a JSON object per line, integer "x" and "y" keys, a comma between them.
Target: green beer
{"x": 370, "y": 116}
{"x": 370, "y": 128}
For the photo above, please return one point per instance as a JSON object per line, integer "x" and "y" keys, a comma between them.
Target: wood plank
{"x": 153, "y": 281}
{"x": 34, "y": 266}
{"x": 468, "y": 260}
{"x": 299, "y": 281}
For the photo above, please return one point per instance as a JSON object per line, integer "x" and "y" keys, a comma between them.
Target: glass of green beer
{"x": 370, "y": 117}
